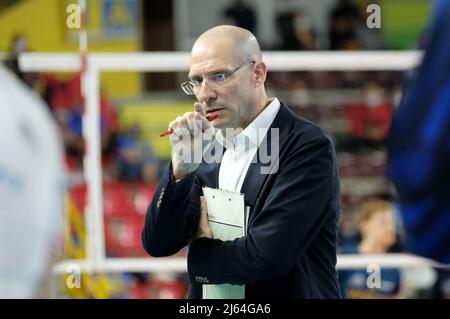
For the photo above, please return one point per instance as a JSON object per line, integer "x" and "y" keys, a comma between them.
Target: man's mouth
{"x": 213, "y": 110}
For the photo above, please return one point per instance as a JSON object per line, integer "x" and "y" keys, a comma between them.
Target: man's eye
{"x": 195, "y": 82}
{"x": 219, "y": 77}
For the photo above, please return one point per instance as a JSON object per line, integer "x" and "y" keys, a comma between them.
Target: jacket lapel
{"x": 259, "y": 170}
{"x": 209, "y": 173}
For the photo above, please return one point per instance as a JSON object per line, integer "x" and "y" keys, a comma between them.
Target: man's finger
{"x": 201, "y": 122}
{"x": 203, "y": 211}
{"x": 204, "y": 230}
{"x": 198, "y": 107}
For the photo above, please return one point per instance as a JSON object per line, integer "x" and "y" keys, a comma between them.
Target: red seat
{"x": 124, "y": 207}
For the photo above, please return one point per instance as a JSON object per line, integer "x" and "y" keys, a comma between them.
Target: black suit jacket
{"x": 290, "y": 247}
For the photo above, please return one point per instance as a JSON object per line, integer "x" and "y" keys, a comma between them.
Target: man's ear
{"x": 260, "y": 73}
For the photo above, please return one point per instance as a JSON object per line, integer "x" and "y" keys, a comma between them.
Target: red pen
{"x": 209, "y": 117}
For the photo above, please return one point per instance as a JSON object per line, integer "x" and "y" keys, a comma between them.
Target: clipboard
{"x": 227, "y": 218}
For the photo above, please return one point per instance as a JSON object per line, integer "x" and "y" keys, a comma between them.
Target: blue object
{"x": 419, "y": 146}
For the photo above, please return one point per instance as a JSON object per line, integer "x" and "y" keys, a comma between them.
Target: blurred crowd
{"x": 126, "y": 155}
{"x": 295, "y": 28}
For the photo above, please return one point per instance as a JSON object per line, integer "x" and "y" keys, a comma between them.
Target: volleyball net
{"x": 95, "y": 63}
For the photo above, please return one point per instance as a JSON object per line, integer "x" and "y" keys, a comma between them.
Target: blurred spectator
{"x": 300, "y": 93}
{"x": 341, "y": 32}
{"x": 296, "y": 31}
{"x": 31, "y": 191}
{"x": 165, "y": 285}
{"x": 139, "y": 286}
{"x": 369, "y": 121}
{"x": 241, "y": 15}
{"x": 64, "y": 98}
{"x": 136, "y": 158}
{"x": 419, "y": 146}
{"x": 160, "y": 285}
{"x": 285, "y": 27}
{"x": 348, "y": 27}
{"x": 378, "y": 234}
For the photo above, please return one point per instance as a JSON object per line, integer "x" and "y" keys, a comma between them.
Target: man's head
{"x": 226, "y": 63}
{"x": 376, "y": 223}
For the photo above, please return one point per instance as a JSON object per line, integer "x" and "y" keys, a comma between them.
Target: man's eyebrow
{"x": 221, "y": 70}
{"x": 194, "y": 76}
{"x": 218, "y": 70}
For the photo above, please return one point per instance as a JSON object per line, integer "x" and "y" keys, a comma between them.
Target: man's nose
{"x": 205, "y": 93}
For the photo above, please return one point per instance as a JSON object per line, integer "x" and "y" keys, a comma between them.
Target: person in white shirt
{"x": 284, "y": 165}
{"x": 31, "y": 190}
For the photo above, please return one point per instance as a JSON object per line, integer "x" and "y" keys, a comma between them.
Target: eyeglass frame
{"x": 189, "y": 88}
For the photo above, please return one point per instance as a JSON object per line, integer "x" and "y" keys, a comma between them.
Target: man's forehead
{"x": 204, "y": 64}
{"x": 209, "y": 55}
{"x": 207, "y": 66}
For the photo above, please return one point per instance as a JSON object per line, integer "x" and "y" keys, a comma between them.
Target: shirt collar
{"x": 254, "y": 133}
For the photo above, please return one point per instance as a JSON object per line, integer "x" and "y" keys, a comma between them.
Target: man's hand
{"x": 188, "y": 141}
{"x": 204, "y": 230}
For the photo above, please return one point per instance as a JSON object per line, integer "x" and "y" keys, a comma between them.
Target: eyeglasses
{"x": 215, "y": 80}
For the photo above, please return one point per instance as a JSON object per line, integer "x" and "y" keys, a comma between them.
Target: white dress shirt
{"x": 239, "y": 154}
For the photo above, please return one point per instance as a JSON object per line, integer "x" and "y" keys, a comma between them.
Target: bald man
{"x": 251, "y": 144}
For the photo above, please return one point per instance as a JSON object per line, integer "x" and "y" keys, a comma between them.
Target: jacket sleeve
{"x": 298, "y": 202}
{"x": 172, "y": 216}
